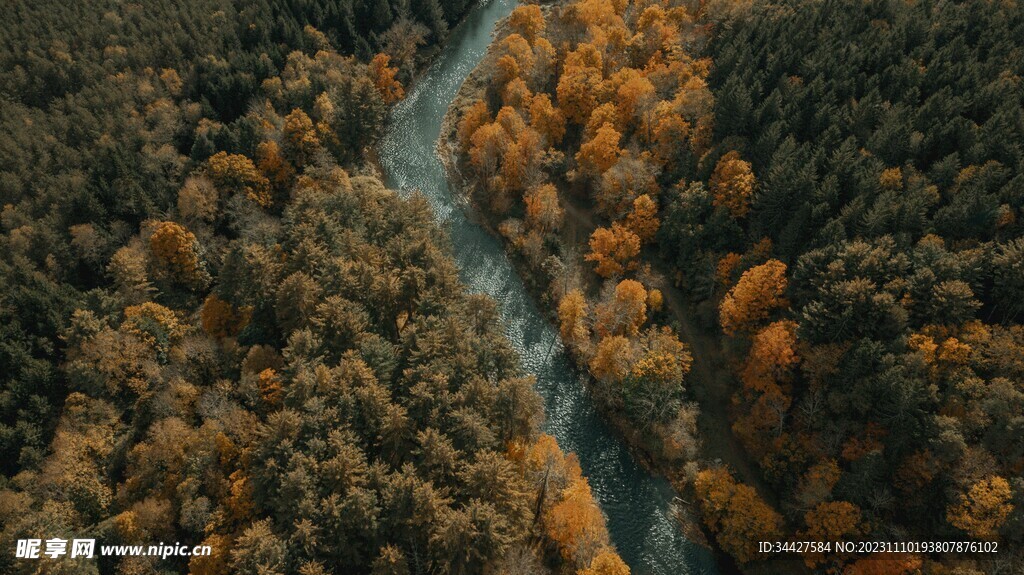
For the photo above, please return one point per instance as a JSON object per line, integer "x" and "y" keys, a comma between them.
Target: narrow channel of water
{"x": 637, "y": 504}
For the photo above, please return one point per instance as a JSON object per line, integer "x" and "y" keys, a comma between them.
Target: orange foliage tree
{"x": 547, "y": 119}
{"x": 831, "y": 521}
{"x": 275, "y": 168}
{"x": 176, "y": 250}
{"x": 732, "y": 184}
{"x": 520, "y": 166}
{"x": 474, "y": 117}
{"x": 633, "y": 93}
{"x": 624, "y": 312}
{"x": 759, "y": 292}
{"x": 221, "y": 319}
{"x": 576, "y": 524}
{"x": 613, "y": 359}
{"x": 772, "y": 356}
{"x": 543, "y": 211}
{"x": 578, "y": 84}
{"x": 655, "y": 300}
{"x": 665, "y": 361}
{"x": 613, "y": 250}
{"x": 735, "y": 513}
{"x": 527, "y": 21}
{"x": 607, "y": 562}
{"x": 301, "y": 141}
{"x": 236, "y": 174}
{"x": 983, "y": 509}
{"x": 488, "y": 145}
{"x": 600, "y": 153}
{"x": 383, "y": 76}
{"x": 665, "y": 130}
{"x": 516, "y": 61}
{"x": 643, "y": 220}
{"x": 606, "y": 113}
{"x": 271, "y": 392}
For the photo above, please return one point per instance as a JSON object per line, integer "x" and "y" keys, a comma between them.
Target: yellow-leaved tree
{"x": 983, "y": 510}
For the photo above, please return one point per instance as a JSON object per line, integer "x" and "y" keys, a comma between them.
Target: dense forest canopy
{"x": 886, "y": 146}
{"x": 836, "y": 188}
{"x": 107, "y": 106}
{"x": 216, "y": 329}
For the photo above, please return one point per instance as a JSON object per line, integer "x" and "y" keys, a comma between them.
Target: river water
{"x": 636, "y": 503}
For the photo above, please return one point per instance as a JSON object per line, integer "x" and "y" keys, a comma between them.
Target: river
{"x": 636, "y": 503}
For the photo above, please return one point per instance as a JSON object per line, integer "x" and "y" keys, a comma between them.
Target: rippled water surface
{"x": 636, "y": 504}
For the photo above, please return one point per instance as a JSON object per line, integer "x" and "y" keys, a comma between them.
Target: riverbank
{"x": 638, "y": 504}
{"x": 579, "y": 225}
{"x": 710, "y": 382}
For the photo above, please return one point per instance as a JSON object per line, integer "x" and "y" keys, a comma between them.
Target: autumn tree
{"x": 520, "y": 165}
{"x": 732, "y": 184}
{"x": 198, "y": 199}
{"x": 578, "y": 84}
{"x": 817, "y": 483}
{"x": 600, "y": 153}
{"x": 176, "y": 251}
{"x": 154, "y": 324}
{"x": 517, "y": 94}
{"x": 655, "y": 300}
{"x": 772, "y": 356}
{"x": 634, "y": 93}
{"x": 527, "y": 21}
{"x": 831, "y": 521}
{"x": 129, "y": 269}
{"x": 516, "y": 59}
{"x": 643, "y": 219}
{"x": 473, "y": 118}
{"x": 221, "y": 319}
{"x": 488, "y": 145}
{"x": 631, "y": 177}
{"x": 383, "y": 76}
{"x": 547, "y": 119}
{"x": 543, "y": 211}
{"x": 613, "y": 249}
{"x": 278, "y": 171}
{"x": 300, "y": 138}
{"x": 607, "y": 113}
{"x": 576, "y": 524}
{"x": 983, "y": 509}
{"x": 735, "y": 513}
{"x": 653, "y": 390}
{"x": 613, "y": 359}
{"x": 759, "y": 291}
{"x": 624, "y": 311}
{"x": 572, "y": 317}
{"x": 607, "y": 562}
{"x": 664, "y": 129}
{"x": 236, "y": 174}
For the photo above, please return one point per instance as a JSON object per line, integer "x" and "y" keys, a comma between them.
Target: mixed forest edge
{"x": 830, "y": 195}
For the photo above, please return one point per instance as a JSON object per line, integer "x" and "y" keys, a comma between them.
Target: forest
{"x": 218, "y": 326}
{"x": 831, "y": 194}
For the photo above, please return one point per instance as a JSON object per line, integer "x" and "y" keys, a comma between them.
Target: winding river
{"x": 636, "y": 503}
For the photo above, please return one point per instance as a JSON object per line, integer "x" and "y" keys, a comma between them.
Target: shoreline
{"x": 446, "y": 147}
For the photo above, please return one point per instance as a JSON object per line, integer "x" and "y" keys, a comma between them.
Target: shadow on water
{"x": 637, "y": 504}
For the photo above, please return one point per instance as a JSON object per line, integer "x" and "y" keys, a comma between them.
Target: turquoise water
{"x": 636, "y": 503}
